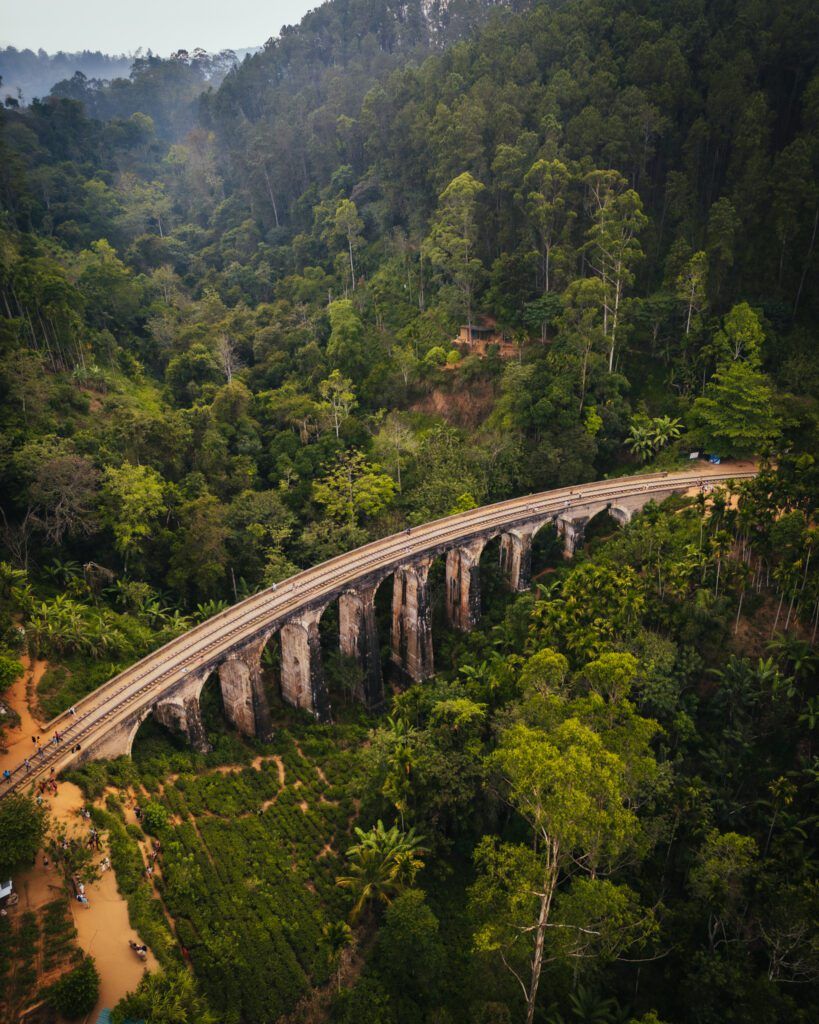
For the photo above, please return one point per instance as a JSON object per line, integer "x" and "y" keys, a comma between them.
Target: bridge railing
{"x": 299, "y": 591}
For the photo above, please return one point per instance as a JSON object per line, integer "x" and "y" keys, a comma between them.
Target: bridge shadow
{"x": 600, "y": 528}
{"x": 155, "y": 740}
{"x": 547, "y": 550}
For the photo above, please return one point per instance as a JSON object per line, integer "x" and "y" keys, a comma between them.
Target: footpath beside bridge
{"x": 168, "y": 682}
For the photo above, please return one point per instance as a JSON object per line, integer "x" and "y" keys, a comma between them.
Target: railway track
{"x": 203, "y": 646}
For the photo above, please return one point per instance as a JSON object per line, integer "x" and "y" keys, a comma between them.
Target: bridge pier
{"x": 302, "y": 678}
{"x": 463, "y": 585}
{"x": 358, "y": 639}
{"x": 571, "y": 530}
{"x": 243, "y": 696}
{"x": 412, "y": 620}
{"x": 184, "y": 716}
{"x": 516, "y": 557}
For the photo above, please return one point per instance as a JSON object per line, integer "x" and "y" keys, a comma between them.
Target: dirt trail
{"x": 104, "y": 932}
{"x": 18, "y": 739}
{"x": 103, "y": 929}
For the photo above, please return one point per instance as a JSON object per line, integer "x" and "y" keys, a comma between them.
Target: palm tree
{"x": 663, "y": 430}
{"x": 382, "y": 864}
{"x": 639, "y": 440}
{"x": 208, "y": 609}
{"x": 63, "y": 572}
{"x": 338, "y": 935}
{"x": 796, "y": 655}
{"x": 588, "y": 1007}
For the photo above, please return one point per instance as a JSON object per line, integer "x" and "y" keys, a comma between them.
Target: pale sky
{"x": 121, "y": 26}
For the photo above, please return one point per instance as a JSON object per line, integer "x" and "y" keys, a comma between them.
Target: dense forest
{"x": 229, "y": 298}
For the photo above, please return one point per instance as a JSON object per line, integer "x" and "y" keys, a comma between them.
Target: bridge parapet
{"x": 231, "y": 643}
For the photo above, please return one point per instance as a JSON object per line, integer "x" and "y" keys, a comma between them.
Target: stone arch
{"x": 242, "y": 687}
{"x": 462, "y": 591}
{"x": 411, "y": 630}
{"x": 358, "y": 638}
{"x": 621, "y": 516}
{"x": 573, "y": 527}
{"x": 131, "y": 731}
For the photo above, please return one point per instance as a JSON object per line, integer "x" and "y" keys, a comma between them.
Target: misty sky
{"x": 121, "y": 26}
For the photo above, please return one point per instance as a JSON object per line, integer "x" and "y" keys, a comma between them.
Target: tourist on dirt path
{"x": 6, "y": 776}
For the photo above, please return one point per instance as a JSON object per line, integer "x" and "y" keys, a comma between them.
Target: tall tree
{"x": 349, "y": 226}
{"x": 613, "y": 245}
{"x": 451, "y": 245}
{"x": 545, "y": 190}
{"x": 574, "y": 795}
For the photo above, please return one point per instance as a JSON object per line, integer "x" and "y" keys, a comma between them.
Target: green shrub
{"x": 10, "y": 669}
{"x": 91, "y": 778}
{"x": 368, "y": 1001}
{"x": 76, "y": 993}
{"x": 22, "y": 827}
{"x": 154, "y": 817}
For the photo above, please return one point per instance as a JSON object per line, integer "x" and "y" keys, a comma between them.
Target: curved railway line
{"x": 143, "y": 683}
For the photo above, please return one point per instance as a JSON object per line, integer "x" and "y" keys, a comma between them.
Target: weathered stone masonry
{"x": 239, "y": 668}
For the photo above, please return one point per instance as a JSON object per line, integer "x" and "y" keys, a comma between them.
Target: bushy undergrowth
{"x": 248, "y": 865}
{"x": 144, "y": 910}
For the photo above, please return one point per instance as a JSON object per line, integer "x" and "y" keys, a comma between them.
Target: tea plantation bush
{"x": 248, "y": 865}
{"x": 75, "y": 994}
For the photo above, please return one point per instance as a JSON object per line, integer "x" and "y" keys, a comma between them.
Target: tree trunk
{"x": 270, "y": 194}
{"x": 778, "y": 610}
{"x": 807, "y": 262}
{"x": 540, "y": 935}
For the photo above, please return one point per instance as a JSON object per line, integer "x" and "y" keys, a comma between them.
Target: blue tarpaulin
{"x": 105, "y": 1018}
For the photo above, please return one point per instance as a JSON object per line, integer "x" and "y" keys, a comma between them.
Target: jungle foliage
{"x": 228, "y": 299}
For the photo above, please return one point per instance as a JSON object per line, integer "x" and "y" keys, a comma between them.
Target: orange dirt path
{"x": 18, "y": 740}
{"x": 103, "y": 929}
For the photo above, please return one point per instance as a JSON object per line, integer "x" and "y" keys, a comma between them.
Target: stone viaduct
{"x": 168, "y": 682}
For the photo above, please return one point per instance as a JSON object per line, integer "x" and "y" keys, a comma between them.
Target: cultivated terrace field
{"x": 250, "y": 855}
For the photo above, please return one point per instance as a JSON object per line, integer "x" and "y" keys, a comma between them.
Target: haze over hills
{"x": 27, "y": 75}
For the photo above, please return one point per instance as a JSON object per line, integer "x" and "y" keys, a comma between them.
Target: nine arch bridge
{"x": 168, "y": 682}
